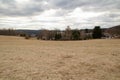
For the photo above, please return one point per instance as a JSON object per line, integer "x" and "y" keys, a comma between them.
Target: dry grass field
{"x": 22, "y": 59}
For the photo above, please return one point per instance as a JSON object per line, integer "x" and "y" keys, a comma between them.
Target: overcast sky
{"x": 57, "y": 14}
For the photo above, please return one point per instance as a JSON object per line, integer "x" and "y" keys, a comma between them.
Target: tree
{"x": 58, "y": 36}
{"x": 9, "y": 32}
{"x": 68, "y": 33}
{"x": 97, "y": 32}
{"x": 86, "y": 30}
{"x": 75, "y": 35}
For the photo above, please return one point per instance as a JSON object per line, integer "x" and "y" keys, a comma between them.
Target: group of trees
{"x": 68, "y": 34}
{"x": 12, "y": 32}
{"x": 9, "y": 32}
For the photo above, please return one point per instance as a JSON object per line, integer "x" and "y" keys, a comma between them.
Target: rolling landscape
{"x": 59, "y": 39}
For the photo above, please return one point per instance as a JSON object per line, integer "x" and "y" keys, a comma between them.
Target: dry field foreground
{"x": 22, "y": 59}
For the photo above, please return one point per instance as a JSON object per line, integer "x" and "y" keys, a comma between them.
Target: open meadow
{"x": 22, "y": 59}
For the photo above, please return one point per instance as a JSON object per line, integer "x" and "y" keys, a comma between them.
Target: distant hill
{"x": 28, "y": 31}
{"x": 115, "y": 30}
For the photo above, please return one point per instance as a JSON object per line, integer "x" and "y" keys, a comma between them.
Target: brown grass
{"x": 22, "y": 59}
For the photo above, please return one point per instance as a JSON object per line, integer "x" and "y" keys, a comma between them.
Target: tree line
{"x": 8, "y": 32}
{"x": 70, "y": 34}
{"x": 67, "y": 34}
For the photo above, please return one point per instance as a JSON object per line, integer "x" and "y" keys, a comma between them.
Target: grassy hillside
{"x": 22, "y": 59}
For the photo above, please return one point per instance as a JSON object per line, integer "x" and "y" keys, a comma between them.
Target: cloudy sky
{"x": 57, "y": 14}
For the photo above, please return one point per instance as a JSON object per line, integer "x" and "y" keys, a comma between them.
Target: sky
{"x": 58, "y": 14}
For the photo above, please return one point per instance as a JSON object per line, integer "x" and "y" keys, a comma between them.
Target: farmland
{"x": 22, "y": 59}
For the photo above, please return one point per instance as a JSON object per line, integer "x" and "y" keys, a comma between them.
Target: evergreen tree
{"x": 75, "y": 35}
{"x": 97, "y": 32}
{"x": 58, "y": 36}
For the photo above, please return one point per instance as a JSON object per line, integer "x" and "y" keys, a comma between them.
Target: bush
{"x": 27, "y": 36}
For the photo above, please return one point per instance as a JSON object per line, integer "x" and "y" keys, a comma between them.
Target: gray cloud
{"x": 11, "y": 8}
{"x": 7, "y": 1}
{"x": 87, "y": 4}
{"x": 63, "y": 8}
